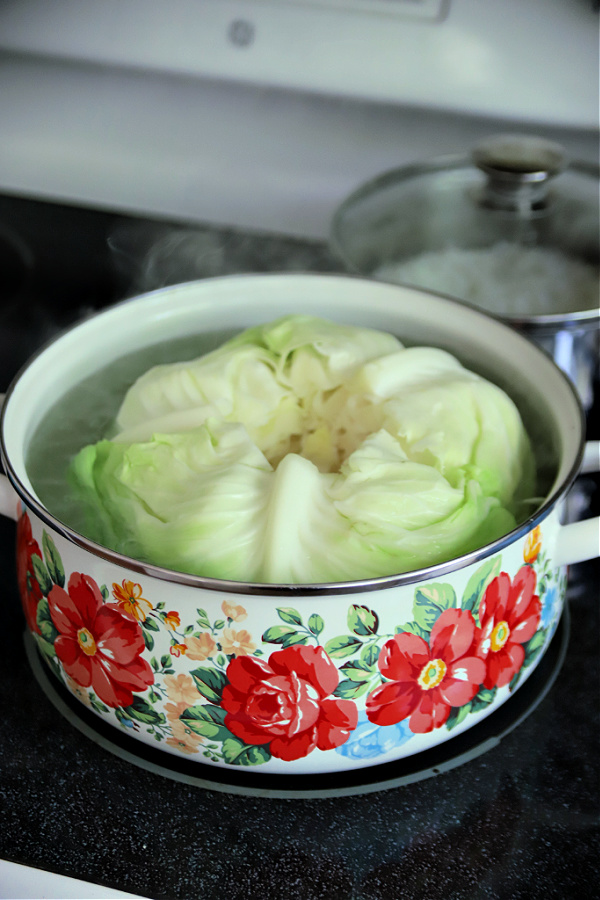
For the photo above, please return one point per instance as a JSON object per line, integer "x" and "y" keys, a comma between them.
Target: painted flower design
{"x": 172, "y": 619}
{"x": 181, "y": 689}
{"x": 368, "y": 741}
{"x": 201, "y": 647}
{"x": 182, "y": 738}
{"x": 29, "y": 589}
{"x": 233, "y": 612}
{"x": 427, "y": 680}
{"x": 550, "y": 606}
{"x": 533, "y": 545}
{"x": 286, "y": 702}
{"x": 237, "y": 643}
{"x": 128, "y": 595}
{"x": 510, "y": 616}
{"x": 98, "y": 644}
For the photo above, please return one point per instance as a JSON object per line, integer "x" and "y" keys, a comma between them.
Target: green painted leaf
{"x": 41, "y": 574}
{"x": 237, "y": 753}
{"x": 289, "y": 615}
{"x": 296, "y": 638}
{"x": 534, "y": 647}
{"x": 141, "y": 711}
{"x": 414, "y": 628}
{"x": 203, "y": 620}
{"x": 48, "y": 650}
{"x": 151, "y": 624}
{"x": 210, "y": 683}
{"x": 370, "y": 654}
{"x": 362, "y": 620}
{"x": 208, "y": 721}
{"x": 316, "y": 624}
{"x": 45, "y": 623}
{"x": 478, "y": 583}
{"x": 277, "y": 634}
{"x": 430, "y": 602}
{"x": 483, "y": 698}
{"x": 350, "y": 690}
{"x": 358, "y": 671}
{"x": 53, "y": 561}
{"x": 457, "y": 715}
{"x": 148, "y": 639}
{"x": 105, "y": 593}
{"x": 165, "y": 660}
{"x": 342, "y": 646}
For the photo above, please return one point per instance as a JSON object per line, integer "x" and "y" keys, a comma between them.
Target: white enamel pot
{"x": 296, "y": 679}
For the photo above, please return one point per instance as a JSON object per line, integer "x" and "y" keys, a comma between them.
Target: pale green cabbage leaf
{"x": 303, "y": 451}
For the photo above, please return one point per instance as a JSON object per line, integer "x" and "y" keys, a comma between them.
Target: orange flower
{"x": 237, "y": 643}
{"x": 178, "y": 649}
{"x": 174, "y": 710}
{"x": 181, "y": 689}
{"x": 129, "y": 597}
{"x": 533, "y": 545}
{"x": 172, "y": 619}
{"x": 235, "y": 613}
{"x": 183, "y": 740}
{"x": 200, "y": 647}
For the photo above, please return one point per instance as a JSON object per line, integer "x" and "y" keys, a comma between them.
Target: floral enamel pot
{"x": 296, "y": 678}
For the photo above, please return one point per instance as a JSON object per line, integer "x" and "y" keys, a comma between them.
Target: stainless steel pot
{"x": 511, "y": 191}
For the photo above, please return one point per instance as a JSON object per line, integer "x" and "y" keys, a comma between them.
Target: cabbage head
{"x": 304, "y": 451}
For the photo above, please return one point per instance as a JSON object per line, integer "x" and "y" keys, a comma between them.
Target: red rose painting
{"x": 286, "y": 702}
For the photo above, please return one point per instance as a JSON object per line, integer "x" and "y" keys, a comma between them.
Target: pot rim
{"x": 548, "y": 323}
{"x": 292, "y": 589}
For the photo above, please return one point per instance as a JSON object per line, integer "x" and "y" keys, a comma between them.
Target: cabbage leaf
{"x": 303, "y": 451}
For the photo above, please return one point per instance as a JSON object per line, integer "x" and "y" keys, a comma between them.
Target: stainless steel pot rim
{"x": 295, "y": 589}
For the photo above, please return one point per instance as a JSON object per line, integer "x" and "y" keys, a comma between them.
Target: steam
{"x": 149, "y": 255}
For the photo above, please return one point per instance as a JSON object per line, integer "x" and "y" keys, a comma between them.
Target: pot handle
{"x": 580, "y": 541}
{"x": 8, "y": 498}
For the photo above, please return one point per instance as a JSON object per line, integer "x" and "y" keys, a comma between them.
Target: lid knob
{"x": 519, "y": 168}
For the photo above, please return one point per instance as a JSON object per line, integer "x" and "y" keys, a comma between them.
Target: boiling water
{"x": 86, "y": 413}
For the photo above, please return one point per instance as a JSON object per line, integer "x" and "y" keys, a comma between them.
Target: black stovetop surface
{"x": 520, "y": 821}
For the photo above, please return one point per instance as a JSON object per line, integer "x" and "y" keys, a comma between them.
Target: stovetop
{"x": 518, "y": 821}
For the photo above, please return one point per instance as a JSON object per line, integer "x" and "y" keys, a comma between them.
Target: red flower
{"x": 426, "y": 680}
{"x": 99, "y": 644}
{"x": 283, "y": 702}
{"x": 29, "y": 588}
{"x": 509, "y": 615}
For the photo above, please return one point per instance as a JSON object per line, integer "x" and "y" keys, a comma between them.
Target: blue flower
{"x": 550, "y": 606}
{"x": 369, "y": 740}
